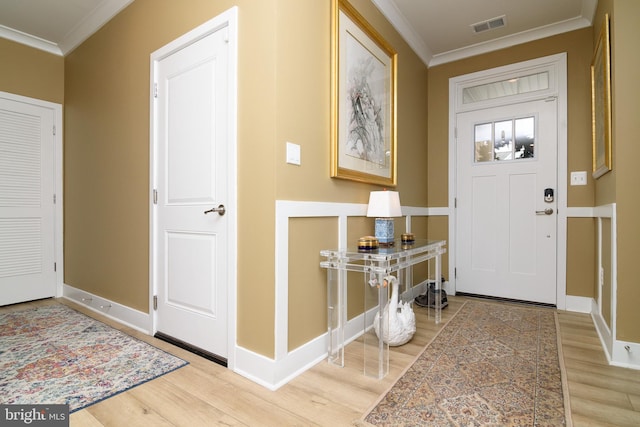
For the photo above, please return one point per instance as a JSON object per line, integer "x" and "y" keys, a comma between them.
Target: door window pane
{"x": 525, "y": 138}
{"x": 503, "y": 141}
{"x": 484, "y": 149}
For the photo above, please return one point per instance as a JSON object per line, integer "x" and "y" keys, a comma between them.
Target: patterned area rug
{"x": 56, "y": 355}
{"x": 493, "y": 364}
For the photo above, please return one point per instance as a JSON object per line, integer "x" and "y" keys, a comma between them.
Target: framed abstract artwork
{"x": 363, "y": 100}
{"x": 601, "y": 102}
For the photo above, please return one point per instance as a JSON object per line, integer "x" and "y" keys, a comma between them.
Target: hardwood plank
{"x": 84, "y": 419}
{"x": 232, "y": 394}
{"x": 124, "y": 409}
{"x": 181, "y": 408}
{"x": 635, "y": 402}
{"x": 593, "y": 393}
{"x": 604, "y": 414}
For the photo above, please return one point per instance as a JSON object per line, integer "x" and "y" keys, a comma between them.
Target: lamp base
{"x": 384, "y": 231}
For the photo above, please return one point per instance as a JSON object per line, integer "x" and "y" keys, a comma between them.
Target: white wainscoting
{"x": 273, "y": 373}
{"x": 619, "y": 353}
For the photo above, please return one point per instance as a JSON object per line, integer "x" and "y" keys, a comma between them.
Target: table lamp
{"x": 384, "y": 206}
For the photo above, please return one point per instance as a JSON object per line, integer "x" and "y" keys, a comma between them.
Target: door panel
{"x": 26, "y": 202}
{"x": 506, "y": 157}
{"x": 192, "y": 139}
{"x": 522, "y": 224}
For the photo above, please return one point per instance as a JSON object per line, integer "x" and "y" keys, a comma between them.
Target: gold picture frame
{"x": 363, "y": 100}
{"x": 601, "y": 102}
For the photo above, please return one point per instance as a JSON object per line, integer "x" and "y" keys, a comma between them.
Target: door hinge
{"x": 54, "y": 199}
{"x": 54, "y": 130}
{"x": 455, "y": 272}
{"x": 155, "y": 196}
{"x": 155, "y": 302}
{"x": 55, "y": 267}
{"x": 455, "y": 202}
{"x": 155, "y": 90}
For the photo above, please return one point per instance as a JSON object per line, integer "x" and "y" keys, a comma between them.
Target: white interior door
{"x": 192, "y": 143}
{"x": 506, "y": 230}
{"x": 26, "y": 202}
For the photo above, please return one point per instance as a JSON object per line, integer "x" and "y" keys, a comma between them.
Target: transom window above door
{"x": 505, "y": 140}
{"x": 509, "y": 87}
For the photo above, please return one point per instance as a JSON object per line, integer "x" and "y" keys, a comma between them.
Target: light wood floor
{"x": 206, "y": 394}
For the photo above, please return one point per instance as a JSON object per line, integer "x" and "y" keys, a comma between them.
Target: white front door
{"x": 191, "y": 133}
{"x": 27, "y": 185}
{"x": 505, "y": 226}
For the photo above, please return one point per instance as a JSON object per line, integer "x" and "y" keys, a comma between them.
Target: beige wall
{"x": 581, "y": 257}
{"x": 31, "y": 72}
{"x": 307, "y": 281}
{"x": 303, "y": 90}
{"x": 605, "y": 186}
{"x": 625, "y": 34}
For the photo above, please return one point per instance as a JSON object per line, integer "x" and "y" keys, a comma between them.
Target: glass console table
{"x": 375, "y": 265}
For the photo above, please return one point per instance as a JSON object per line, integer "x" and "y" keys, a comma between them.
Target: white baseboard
{"x": 114, "y": 311}
{"x": 626, "y": 354}
{"x": 578, "y": 304}
{"x": 273, "y": 374}
{"x": 618, "y": 353}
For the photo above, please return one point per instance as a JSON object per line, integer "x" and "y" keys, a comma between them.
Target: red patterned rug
{"x": 56, "y": 355}
{"x": 493, "y": 364}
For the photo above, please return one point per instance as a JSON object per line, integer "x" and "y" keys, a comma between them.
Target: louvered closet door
{"x": 26, "y": 202}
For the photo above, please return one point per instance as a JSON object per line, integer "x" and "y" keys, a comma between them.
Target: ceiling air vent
{"x": 490, "y": 24}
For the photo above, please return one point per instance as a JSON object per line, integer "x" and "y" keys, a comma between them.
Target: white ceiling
{"x": 439, "y": 31}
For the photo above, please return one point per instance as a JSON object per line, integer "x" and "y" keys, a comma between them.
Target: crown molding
{"x": 408, "y": 33}
{"x": 86, "y": 27}
{"x": 509, "y": 41}
{"x": 91, "y": 23}
{"x": 29, "y": 40}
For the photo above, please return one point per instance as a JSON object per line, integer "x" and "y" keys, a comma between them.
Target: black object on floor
{"x": 429, "y": 298}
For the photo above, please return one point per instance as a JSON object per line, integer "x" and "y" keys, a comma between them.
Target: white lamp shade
{"x": 384, "y": 204}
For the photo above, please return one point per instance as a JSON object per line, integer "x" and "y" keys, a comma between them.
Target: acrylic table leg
{"x": 376, "y": 351}
{"x": 438, "y": 286}
{"x": 336, "y": 316}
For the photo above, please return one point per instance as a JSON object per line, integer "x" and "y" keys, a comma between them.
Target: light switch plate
{"x": 293, "y": 153}
{"x": 579, "y": 178}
